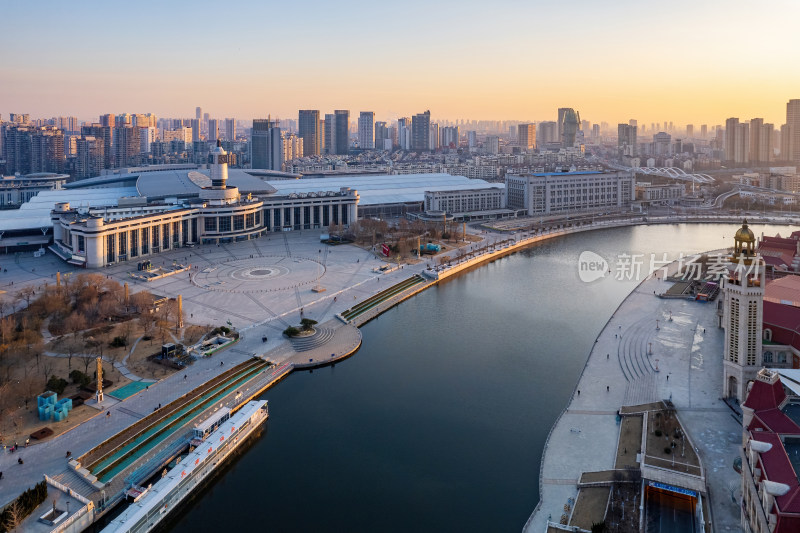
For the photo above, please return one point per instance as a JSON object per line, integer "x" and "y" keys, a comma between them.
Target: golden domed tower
{"x": 744, "y": 248}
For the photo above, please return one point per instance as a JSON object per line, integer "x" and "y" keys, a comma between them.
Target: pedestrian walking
{"x": 579, "y": 392}
{"x": 608, "y": 388}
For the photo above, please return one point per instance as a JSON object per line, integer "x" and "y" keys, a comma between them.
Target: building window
{"x": 176, "y": 237}
{"x": 250, "y": 219}
{"x": 210, "y": 224}
{"x": 257, "y": 215}
{"x": 123, "y": 245}
{"x": 134, "y": 243}
{"x": 156, "y": 238}
{"x": 224, "y": 224}
{"x": 111, "y": 248}
{"x": 185, "y": 230}
{"x": 145, "y": 241}
{"x": 782, "y": 357}
{"x": 768, "y": 356}
{"x": 238, "y": 222}
{"x": 165, "y": 236}
{"x": 81, "y": 243}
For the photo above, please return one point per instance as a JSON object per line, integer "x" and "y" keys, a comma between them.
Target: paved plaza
{"x": 686, "y": 350}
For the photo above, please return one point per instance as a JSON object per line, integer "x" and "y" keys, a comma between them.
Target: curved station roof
{"x": 166, "y": 184}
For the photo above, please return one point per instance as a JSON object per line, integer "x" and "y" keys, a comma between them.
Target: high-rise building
{"x": 47, "y": 150}
{"x": 381, "y": 136}
{"x": 366, "y": 130}
{"x": 662, "y": 144}
{"x": 213, "y": 129}
{"x": 342, "y": 145}
{"x": 404, "y": 133}
{"x": 793, "y": 121}
{"x": 526, "y": 136}
{"x": 90, "y": 158}
{"x": 108, "y": 120}
{"x": 690, "y": 130}
{"x": 472, "y": 139}
{"x": 450, "y": 137}
{"x": 421, "y": 131}
{"x": 127, "y": 146}
{"x": 103, "y": 134}
{"x": 731, "y": 130}
{"x": 492, "y": 144}
{"x": 196, "y": 123}
{"x": 198, "y": 113}
{"x": 547, "y": 133}
{"x": 761, "y": 140}
{"x": 69, "y": 125}
{"x": 30, "y": 149}
{"x": 230, "y": 129}
{"x": 626, "y": 139}
{"x": 147, "y": 136}
{"x": 292, "y": 146}
{"x": 330, "y": 134}
{"x": 704, "y": 131}
{"x": 786, "y": 139}
{"x": 309, "y": 130}
{"x": 569, "y": 124}
{"x": 266, "y": 146}
{"x": 433, "y": 138}
{"x": 595, "y": 131}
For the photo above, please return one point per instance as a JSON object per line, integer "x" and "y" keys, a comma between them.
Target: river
{"x": 439, "y": 421}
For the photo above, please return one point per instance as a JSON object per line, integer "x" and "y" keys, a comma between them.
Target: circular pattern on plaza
{"x": 259, "y": 274}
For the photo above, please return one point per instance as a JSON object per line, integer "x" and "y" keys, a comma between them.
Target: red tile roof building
{"x": 770, "y": 458}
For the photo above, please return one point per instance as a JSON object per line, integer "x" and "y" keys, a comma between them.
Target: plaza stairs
{"x": 319, "y": 338}
{"x": 76, "y": 482}
{"x": 636, "y": 365}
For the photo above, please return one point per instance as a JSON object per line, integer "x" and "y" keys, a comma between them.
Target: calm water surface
{"x": 439, "y": 421}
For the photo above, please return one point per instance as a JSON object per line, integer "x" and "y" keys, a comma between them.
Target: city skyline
{"x": 612, "y": 63}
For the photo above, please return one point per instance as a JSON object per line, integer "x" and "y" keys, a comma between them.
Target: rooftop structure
{"x": 770, "y": 458}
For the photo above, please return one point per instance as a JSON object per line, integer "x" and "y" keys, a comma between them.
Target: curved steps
{"x": 304, "y": 344}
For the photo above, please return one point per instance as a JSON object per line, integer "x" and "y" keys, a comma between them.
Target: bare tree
{"x": 7, "y": 328}
{"x": 47, "y": 369}
{"x": 142, "y": 301}
{"x": 25, "y": 294}
{"x": 75, "y": 323}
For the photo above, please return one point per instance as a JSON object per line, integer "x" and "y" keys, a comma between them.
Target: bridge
{"x": 669, "y": 172}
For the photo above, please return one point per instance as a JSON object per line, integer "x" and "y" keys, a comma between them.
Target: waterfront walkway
{"x": 621, "y": 371}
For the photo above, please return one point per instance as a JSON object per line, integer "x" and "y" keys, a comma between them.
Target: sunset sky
{"x": 697, "y": 61}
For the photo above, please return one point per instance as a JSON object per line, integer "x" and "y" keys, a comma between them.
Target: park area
{"x": 52, "y": 335}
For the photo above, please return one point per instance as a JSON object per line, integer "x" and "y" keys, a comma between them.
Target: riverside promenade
{"x": 685, "y": 366}
{"x": 262, "y": 287}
